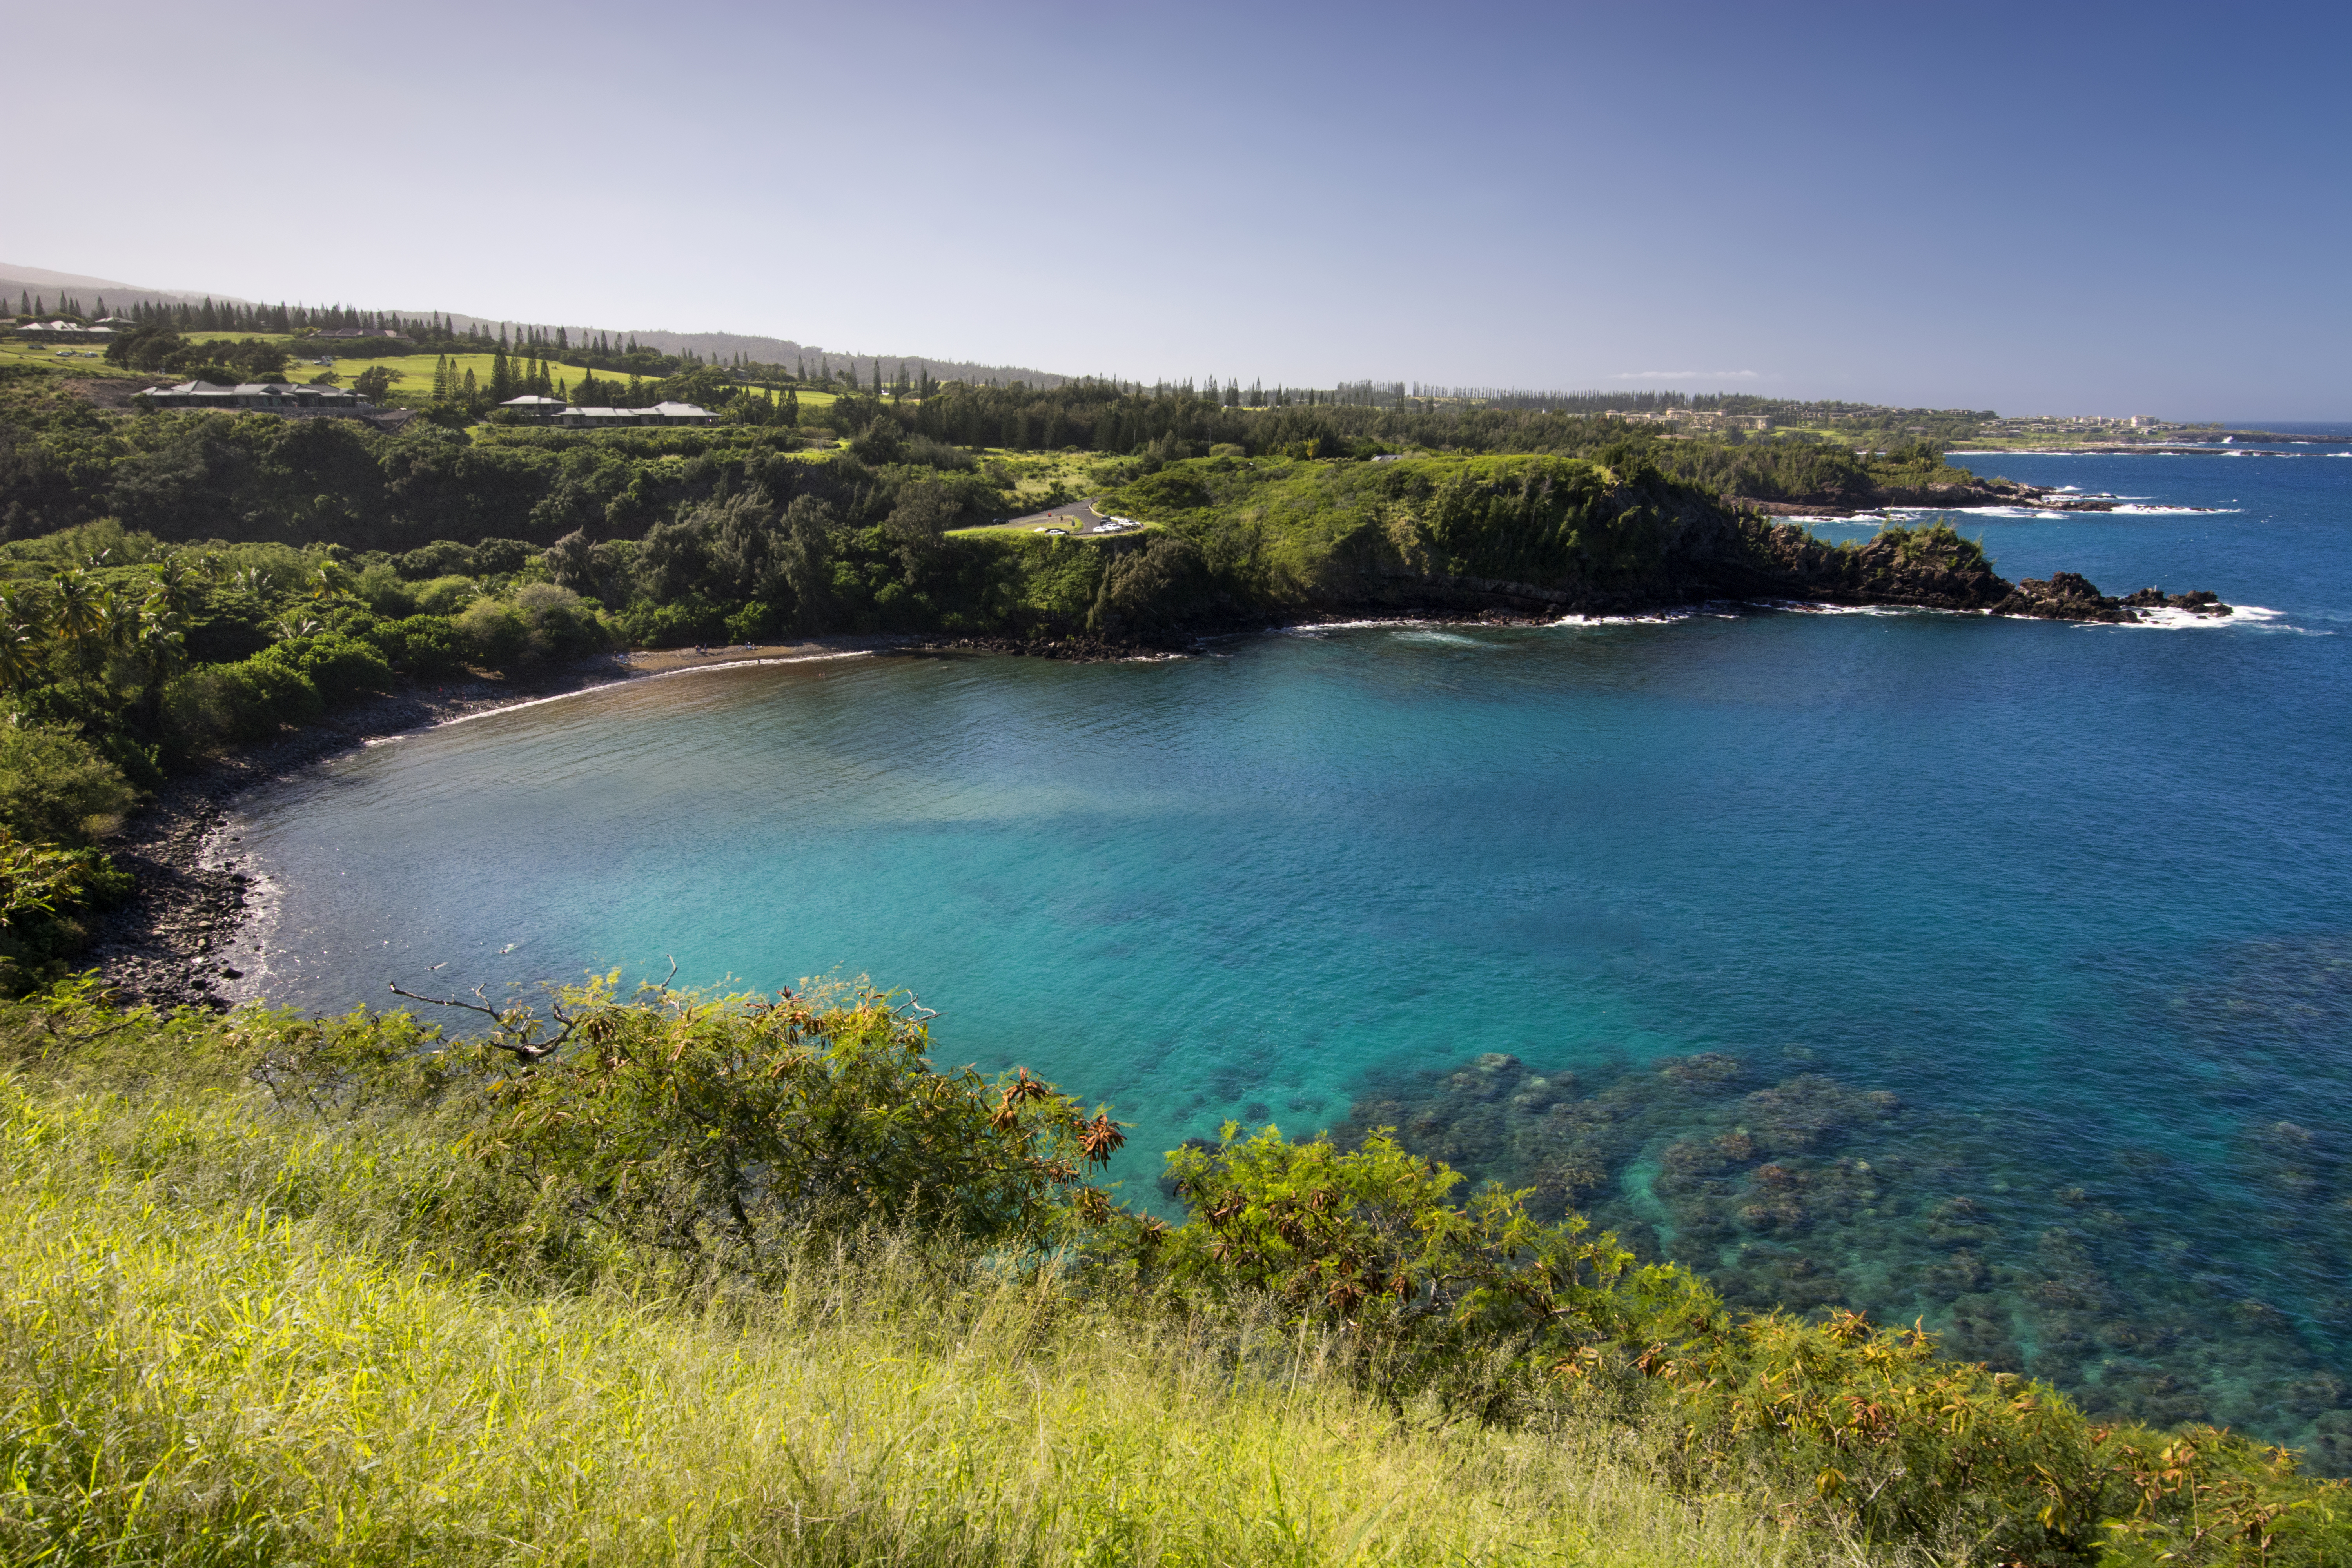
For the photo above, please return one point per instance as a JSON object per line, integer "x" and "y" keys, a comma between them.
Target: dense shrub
{"x": 442, "y": 558}
{"x": 422, "y": 645}
{"x": 717, "y": 1125}
{"x": 56, "y": 787}
{"x": 692, "y": 620}
{"x": 494, "y": 633}
{"x": 563, "y": 625}
{"x": 339, "y": 667}
{"x": 383, "y": 589}
{"x": 444, "y": 595}
{"x": 251, "y": 699}
{"x": 501, "y": 557}
{"x": 44, "y": 891}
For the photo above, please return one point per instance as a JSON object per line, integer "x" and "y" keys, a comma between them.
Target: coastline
{"x": 182, "y": 939}
{"x": 188, "y": 933}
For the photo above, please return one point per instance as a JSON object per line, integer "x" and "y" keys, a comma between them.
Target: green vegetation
{"x": 175, "y": 584}
{"x": 673, "y": 1278}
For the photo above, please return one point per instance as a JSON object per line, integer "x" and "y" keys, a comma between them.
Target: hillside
{"x": 49, "y": 287}
{"x": 681, "y": 1279}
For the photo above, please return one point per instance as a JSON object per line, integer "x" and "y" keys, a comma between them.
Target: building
{"x": 258, "y": 397}
{"x": 553, "y": 411}
{"x": 358, "y": 334}
{"x": 1697, "y": 418}
{"x": 66, "y": 332}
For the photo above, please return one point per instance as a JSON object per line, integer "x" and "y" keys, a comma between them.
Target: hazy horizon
{"x": 2090, "y": 210}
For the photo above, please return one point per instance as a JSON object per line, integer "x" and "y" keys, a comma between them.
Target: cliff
{"x": 1524, "y": 535}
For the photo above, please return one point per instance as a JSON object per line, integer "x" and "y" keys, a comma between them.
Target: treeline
{"x": 189, "y": 475}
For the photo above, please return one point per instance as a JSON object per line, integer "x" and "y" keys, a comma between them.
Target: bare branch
{"x": 522, "y": 1045}
{"x": 445, "y": 1001}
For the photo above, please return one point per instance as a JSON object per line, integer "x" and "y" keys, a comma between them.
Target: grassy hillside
{"x": 415, "y": 371}
{"x": 1320, "y": 533}
{"x": 697, "y": 1280}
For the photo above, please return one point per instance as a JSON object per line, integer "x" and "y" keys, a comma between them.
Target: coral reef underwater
{"x": 2158, "y": 1282}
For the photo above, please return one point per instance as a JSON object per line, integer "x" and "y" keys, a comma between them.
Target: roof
{"x": 533, "y": 400}
{"x": 272, "y": 389}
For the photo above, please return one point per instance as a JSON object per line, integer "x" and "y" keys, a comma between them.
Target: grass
{"x": 415, "y": 371}
{"x": 20, "y": 351}
{"x": 208, "y": 1357}
{"x": 1043, "y": 479}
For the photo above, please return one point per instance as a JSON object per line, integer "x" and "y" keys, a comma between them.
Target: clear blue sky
{"x": 2096, "y": 208}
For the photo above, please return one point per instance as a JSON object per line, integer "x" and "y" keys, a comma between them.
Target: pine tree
{"x": 501, "y": 373}
{"x": 441, "y": 379}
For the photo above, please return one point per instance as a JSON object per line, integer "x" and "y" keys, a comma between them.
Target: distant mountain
{"x": 722, "y": 347}
{"x": 16, "y": 280}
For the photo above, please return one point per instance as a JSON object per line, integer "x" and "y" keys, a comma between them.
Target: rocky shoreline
{"x": 1925, "y": 498}
{"x": 180, "y": 939}
{"x": 175, "y": 942}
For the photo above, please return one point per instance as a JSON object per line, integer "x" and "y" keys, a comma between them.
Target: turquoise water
{"x": 1993, "y": 972}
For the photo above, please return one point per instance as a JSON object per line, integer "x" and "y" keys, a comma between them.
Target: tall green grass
{"x": 213, "y": 1350}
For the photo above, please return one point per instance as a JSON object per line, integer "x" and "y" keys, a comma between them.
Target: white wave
{"x": 2168, "y": 619}
{"x": 1817, "y": 608}
{"x": 1654, "y": 618}
{"x": 1318, "y": 628}
{"x": 655, "y": 675}
{"x": 1447, "y": 640}
{"x": 2135, "y": 509}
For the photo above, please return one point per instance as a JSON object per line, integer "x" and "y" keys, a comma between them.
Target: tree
{"x": 375, "y": 382}
{"x": 23, "y": 639}
{"x": 917, "y": 526}
{"x": 84, "y": 616}
{"x": 55, "y": 787}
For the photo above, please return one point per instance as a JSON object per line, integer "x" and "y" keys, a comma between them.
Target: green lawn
{"x": 415, "y": 371}
{"x": 17, "y": 350}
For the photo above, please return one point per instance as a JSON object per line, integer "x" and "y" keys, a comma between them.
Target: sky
{"x": 2054, "y": 207}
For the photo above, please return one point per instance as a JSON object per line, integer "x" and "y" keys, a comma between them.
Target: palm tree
{"x": 160, "y": 644}
{"x": 84, "y": 616}
{"x": 329, "y": 585}
{"x": 22, "y": 637}
{"x": 175, "y": 584}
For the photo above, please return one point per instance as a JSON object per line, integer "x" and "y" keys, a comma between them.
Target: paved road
{"x": 1077, "y": 516}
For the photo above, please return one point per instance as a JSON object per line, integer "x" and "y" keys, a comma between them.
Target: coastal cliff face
{"x": 1524, "y": 535}
{"x": 1933, "y": 568}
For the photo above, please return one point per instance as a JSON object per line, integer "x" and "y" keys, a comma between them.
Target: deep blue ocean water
{"x": 1997, "y": 973}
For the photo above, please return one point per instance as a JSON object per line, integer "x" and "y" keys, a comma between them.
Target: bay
{"x": 1992, "y": 973}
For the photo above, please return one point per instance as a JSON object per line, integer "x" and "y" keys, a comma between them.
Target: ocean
{"x": 1989, "y": 973}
